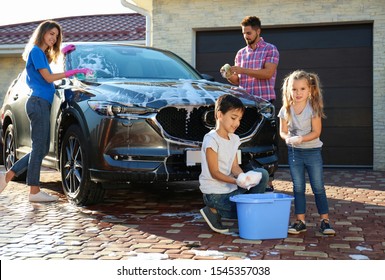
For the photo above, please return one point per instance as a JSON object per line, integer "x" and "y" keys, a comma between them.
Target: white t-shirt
{"x": 226, "y": 150}
{"x": 301, "y": 125}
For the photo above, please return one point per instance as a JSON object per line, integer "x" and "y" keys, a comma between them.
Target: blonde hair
{"x": 315, "y": 97}
{"x": 38, "y": 37}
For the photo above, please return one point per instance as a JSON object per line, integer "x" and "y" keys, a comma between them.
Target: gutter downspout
{"x": 144, "y": 12}
{"x": 10, "y": 49}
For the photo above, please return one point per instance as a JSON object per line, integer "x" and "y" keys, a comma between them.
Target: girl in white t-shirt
{"x": 221, "y": 176}
{"x": 300, "y": 126}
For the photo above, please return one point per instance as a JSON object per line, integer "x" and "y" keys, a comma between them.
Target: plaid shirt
{"x": 256, "y": 59}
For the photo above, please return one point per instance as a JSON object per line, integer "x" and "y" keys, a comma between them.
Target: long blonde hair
{"x": 315, "y": 97}
{"x": 38, "y": 37}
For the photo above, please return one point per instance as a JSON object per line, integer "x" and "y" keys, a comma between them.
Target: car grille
{"x": 193, "y": 124}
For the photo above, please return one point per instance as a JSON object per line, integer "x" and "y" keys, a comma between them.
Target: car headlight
{"x": 113, "y": 109}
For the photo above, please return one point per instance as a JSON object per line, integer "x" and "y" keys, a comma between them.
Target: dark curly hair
{"x": 252, "y": 21}
{"x": 228, "y": 102}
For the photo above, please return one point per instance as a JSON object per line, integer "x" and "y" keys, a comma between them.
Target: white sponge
{"x": 225, "y": 71}
{"x": 249, "y": 179}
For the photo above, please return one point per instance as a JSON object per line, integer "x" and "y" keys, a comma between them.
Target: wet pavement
{"x": 163, "y": 222}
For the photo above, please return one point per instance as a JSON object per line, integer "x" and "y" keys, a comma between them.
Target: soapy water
{"x": 361, "y": 248}
{"x": 292, "y": 145}
{"x": 98, "y": 64}
{"x": 292, "y": 150}
{"x": 88, "y": 76}
{"x": 359, "y": 257}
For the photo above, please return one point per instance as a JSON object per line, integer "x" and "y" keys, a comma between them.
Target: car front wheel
{"x": 76, "y": 182}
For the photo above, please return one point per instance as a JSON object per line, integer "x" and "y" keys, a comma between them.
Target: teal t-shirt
{"x": 40, "y": 87}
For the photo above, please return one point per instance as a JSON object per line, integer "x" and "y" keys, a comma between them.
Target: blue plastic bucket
{"x": 263, "y": 216}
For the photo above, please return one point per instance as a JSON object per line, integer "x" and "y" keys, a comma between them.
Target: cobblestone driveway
{"x": 163, "y": 222}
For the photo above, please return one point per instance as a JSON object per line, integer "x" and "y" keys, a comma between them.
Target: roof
{"x": 112, "y": 27}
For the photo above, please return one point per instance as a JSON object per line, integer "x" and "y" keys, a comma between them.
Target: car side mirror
{"x": 62, "y": 83}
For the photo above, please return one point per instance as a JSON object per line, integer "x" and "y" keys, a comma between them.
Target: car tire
{"x": 1, "y": 152}
{"x": 9, "y": 152}
{"x": 74, "y": 170}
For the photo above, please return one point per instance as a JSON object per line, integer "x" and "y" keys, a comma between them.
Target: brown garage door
{"x": 342, "y": 57}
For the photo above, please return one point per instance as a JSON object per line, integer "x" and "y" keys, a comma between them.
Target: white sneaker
{"x": 42, "y": 197}
{"x": 3, "y": 183}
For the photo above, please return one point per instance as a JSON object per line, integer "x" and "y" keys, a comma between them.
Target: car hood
{"x": 158, "y": 94}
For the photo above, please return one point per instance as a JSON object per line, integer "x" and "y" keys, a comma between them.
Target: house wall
{"x": 174, "y": 24}
{"x": 10, "y": 67}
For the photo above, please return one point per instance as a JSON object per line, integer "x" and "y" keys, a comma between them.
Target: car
{"x": 140, "y": 117}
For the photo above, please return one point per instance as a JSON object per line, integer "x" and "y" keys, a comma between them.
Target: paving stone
{"x": 355, "y": 229}
{"x": 167, "y": 246}
{"x": 289, "y": 247}
{"x": 354, "y": 238}
{"x": 80, "y": 257}
{"x": 343, "y": 223}
{"x": 339, "y": 246}
{"x": 355, "y": 218}
{"x": 235, "y": 255}
{"x": 177, "y": 225}
{"x": 205, "y": 235}
{"x": 361, "y": 211}
{"x": 293, "y": 239}
{"x": 380, "y": 214}
{"x": 311, "y": 254}
{"x": 246, "y": 241}
{"x": 147, "y": 211}
{"x": 150, "y": 250}
{"x": 140, "y": 245}
{"x": 181, "y": 256}
{"x": 173, "y": 231}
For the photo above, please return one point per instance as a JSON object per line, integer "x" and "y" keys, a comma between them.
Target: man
{"x": 255, "y": 66}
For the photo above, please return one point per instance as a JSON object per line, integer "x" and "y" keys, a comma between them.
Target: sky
{"x": 18, "y": 11}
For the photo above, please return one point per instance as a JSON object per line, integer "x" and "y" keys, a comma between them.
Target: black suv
{"x": 140, "y": 118}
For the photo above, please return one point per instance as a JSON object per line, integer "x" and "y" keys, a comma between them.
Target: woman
{"x": 42, "y": 49}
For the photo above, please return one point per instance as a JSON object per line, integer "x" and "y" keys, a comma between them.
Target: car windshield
{"x": 130, "y": 62}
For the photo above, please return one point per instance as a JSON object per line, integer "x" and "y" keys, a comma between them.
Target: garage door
{"x": 341, "y": 55}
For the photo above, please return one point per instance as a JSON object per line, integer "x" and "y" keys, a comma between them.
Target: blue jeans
{"x": 227, "y": 208}
{"x": 310, "y": 160}
{"x": 38, "y": 111}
